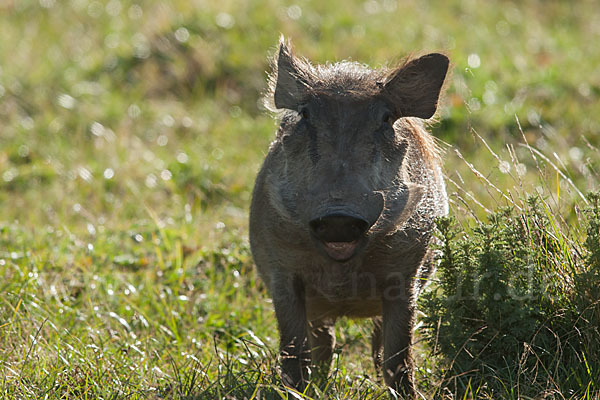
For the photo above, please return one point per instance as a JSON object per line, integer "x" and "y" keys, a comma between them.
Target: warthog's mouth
{"x": 340, "y": 251}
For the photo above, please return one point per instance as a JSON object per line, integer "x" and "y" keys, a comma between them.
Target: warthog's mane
{"x": 348, "y": 78}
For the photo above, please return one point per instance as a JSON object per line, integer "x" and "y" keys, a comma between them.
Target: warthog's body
{"x": 344, "y": 206}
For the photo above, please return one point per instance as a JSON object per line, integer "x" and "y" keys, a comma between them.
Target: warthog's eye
{"x": 386, "y": 118}
{"x": 303, "y": 111}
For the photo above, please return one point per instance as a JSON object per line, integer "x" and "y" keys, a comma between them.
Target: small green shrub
{"x": 515, "y": 310}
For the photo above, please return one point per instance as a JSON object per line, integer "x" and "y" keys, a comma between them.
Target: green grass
{"x": 130, "y": 135}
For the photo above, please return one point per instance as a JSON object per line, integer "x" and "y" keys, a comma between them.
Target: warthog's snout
{"x": 339, "y": 234}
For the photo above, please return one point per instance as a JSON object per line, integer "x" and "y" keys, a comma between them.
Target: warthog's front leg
{"x": 290, "y": 310}
{"x": 377, "y": 345}
{"x": 398, "y": 321}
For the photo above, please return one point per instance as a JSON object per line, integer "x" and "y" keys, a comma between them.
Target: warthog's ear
{"x": 290, "y": 81}
{"x": 414, "y": 88}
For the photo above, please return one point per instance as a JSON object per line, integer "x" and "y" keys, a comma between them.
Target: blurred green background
{"x": 113, "y": 105}
{"x": 131, "y": 133}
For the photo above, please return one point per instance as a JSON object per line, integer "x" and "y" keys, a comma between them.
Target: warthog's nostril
{"x": 338, "y": 228}
{"x": 320, "y": 228}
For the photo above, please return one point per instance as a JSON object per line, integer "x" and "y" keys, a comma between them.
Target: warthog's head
{"x": 342, "y": 178}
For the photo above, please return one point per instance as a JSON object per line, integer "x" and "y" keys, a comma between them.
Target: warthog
{"x": 344, "y": 205}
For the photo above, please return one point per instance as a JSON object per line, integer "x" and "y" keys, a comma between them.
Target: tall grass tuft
{"x": 515, "y": 310}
